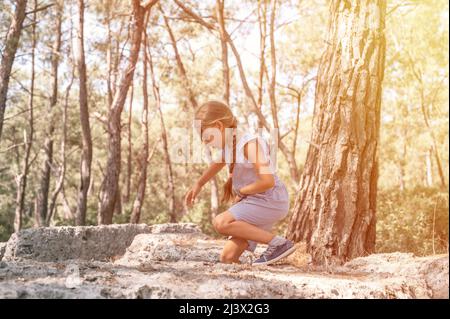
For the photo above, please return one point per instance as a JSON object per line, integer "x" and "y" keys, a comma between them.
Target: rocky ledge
{"x": 179, "y": 261}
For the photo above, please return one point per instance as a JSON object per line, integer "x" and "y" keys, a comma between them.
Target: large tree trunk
{"x": 110, "y": 184}
{"x": 43, "y": 194}
{"x": 86, "y": 155}
{"x": 9, "y": 53}
{"x": 22, "y": 178}
{"x": 336, "y": 203}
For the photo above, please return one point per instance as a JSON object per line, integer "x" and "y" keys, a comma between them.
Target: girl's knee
{"x": 227, "y": 258}
{"x": 220, "y": 223}
{"x": 233, "y": 250}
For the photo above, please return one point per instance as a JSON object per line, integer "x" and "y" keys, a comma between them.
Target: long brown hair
{"x": 210, "y": 113}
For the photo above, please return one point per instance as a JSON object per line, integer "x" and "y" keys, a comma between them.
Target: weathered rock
{"x": 172, "y": 247}
{"x": 67, "y": 242}
{"x": 2, "y": 250}
{"x": 435, "y": 272}
{"x": 178, "y": 261}
{"x": 432, "y": 269}
{"x": 179, "y": 228}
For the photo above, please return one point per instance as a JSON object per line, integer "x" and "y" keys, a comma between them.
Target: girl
{"x": 260, "y": 198}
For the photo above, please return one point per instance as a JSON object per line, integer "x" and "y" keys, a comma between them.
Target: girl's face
{"x": 213, "y": 136}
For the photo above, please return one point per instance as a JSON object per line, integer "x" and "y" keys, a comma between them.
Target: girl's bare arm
{"x": 266, "y": 180}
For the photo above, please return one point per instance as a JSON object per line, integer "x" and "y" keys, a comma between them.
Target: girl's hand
{"x": 191, "y": 195}
{"x": 237, "y": 199}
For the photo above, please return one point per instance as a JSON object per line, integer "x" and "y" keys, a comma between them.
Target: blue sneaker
{"x": 275, "y": 253}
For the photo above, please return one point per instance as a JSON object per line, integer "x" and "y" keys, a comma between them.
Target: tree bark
{"x": 86, "y": 155}
{"x": 44, "y": 190}
{"x": 22, "y": 178}
{"x": 170, "y": 179}
{"x": 262, "y": 23}
{"x": 429, "y": 167}
{"x": 144, "y": 153}
{"x": 9, "y": 53}
{"x": 109, "y": 83}
{"x": 334, "y": 211}
{"x": 110, "y": 184}
{"x": 129, "y": 154}
{"x": 224, "y": 47}
{"x": 220, "y": 13}
{"x": 62, "y": 167}
{"x": 273, "y": 62}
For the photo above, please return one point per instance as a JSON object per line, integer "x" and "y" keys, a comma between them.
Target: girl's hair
{"x": 210, "y": 113}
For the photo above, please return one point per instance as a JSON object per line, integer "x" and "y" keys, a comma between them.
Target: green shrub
{"x": 407, "y": 220}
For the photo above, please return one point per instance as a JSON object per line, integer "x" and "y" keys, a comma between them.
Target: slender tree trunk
{"x": 402, "y": 161}
{"x": 289, "y": 154}
{"x": 220, "y": 4}
{"x": 429, "y": 167}
{"x": 224, "y": 46}
{"x": 180, "y": 64}
{"x": 129, "y": 155}
{"x": 419, "y": 77}
{"x": 86, "y": 155}
{"x": 9, "y": 53}
{"x": 168, "y": 162}
{"x": 68, "y": 213}
{"x": 335, "y": 207}
{"x": 433, "y": 138}
{"x": 22, "y": 178}
{"x": 118, "y": 202}
{"x": 62, "y": 167}
{"x": 44, "y": 190}
{"x": 144, "y": 153}
{"x": 110, "y": 184}
{"x": 273, "y": 62}
{"x": 109, "y": 82}
{"x": 262, "y": 17}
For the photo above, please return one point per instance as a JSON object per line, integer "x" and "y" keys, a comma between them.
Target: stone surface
{"x": 2, "y": 250}
{"x": 67, "y": 242}
{"x": 432, "y": 269}
{"x": 178, "y": 261}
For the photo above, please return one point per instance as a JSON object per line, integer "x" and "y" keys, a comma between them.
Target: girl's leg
{"x": 232, "y": 250}
{"x": 225, "y": 224}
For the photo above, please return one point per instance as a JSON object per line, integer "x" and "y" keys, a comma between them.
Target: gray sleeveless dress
{"x": 262, "y": 209}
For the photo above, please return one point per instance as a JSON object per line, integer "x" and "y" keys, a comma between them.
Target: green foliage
{"x": 414, "y": 220}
